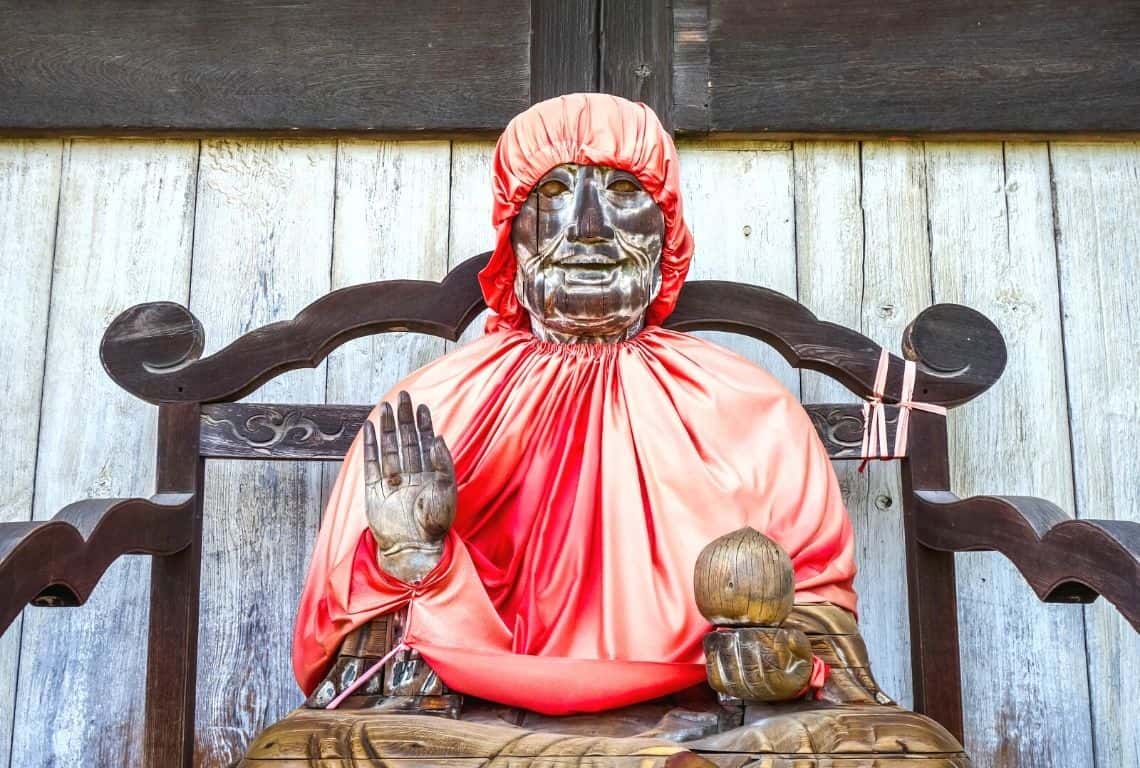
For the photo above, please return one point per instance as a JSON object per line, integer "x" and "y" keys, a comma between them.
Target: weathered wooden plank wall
{"x": 1043, "y": 238}
{"x": 263, "y": 238}
{"x": 123, "y": 233}
{"x": 991, "y": 247}
{"x": 29, "y": 196}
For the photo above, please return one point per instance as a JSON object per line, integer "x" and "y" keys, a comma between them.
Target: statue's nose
{"x": 589, "y": 223}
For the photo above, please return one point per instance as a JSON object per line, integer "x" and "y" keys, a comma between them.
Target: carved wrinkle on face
{"x": 588, "y": 247}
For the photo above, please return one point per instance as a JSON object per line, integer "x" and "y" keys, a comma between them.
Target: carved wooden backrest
{"x": 152, "y": 350}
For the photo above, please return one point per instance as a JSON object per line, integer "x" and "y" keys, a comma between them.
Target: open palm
{"x": 409, "y": 488}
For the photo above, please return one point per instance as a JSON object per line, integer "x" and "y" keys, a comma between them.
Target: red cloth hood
{"x": 594, "y": 129}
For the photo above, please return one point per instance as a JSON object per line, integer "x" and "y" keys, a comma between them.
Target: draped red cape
{"x": 589, "y": 479}
{"x": 589, "y": 476}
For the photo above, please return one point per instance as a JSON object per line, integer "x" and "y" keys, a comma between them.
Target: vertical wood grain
{"x": 262, "y": 251}
{"x": 390, "y": 222}
{"x": 635, "y": 54}
{"x": 991, "y": 233}
{"x": 740, "y": 206}
{"x": 29, "y": 199}
{"x": 563, "y": 47}
{"x": 469, "y": 228}
{"x": 123, "y": 237}
{"x": 863, "y": 262}
{"x": 896, "y": 287}
{"x": 1097, "y": 204}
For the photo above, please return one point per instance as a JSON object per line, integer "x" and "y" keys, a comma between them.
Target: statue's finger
{"x": 752, "y": 667}
{"x": 427, "y": 436}
{"x": 720, "y": 664}
{"x": 389, "y": 446}
{"x": 441, "y": 459}
{"x": 718, "y": 678}
{"x": 409, "y": 440}
{"x": 372, "y": 472}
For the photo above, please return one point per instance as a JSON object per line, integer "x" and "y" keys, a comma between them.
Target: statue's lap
{"x": 795, "y": 735}
{"x": 855, "y": 725}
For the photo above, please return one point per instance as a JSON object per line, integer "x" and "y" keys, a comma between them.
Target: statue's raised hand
{"x": 409, "y": 488}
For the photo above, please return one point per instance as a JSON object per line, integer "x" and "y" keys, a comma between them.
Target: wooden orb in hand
{"x": 744, "y": 579}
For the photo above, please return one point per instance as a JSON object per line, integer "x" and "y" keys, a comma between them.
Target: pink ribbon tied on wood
{"x": 875, "y": 445}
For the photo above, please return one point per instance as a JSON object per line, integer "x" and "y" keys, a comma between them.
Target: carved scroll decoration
{"x": 272, "y": 428}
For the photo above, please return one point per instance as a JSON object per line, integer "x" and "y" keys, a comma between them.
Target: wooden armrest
{"x": 1063, "y": 559}
{"x": 58, "y": 562}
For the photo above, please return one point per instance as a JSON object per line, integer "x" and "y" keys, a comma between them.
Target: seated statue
{"x": 516, "y": 555}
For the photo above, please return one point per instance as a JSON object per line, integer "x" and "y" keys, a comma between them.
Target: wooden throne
{"x": 153, "y": 351}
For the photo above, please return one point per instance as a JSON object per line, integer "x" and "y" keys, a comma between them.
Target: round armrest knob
{"x": 744, "y": 579}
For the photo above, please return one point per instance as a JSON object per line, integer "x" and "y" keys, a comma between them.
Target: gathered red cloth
{"x": 589, "y": 478}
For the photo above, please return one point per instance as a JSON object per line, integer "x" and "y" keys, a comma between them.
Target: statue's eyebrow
{"x": 558, "y": 170}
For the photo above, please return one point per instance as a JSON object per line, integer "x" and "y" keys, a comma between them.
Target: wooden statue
{"x": 595, "y": 253}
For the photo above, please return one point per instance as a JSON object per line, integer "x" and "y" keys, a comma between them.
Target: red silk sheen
{"x": 589, "y": 479}
{"x": 589, "y": 129}
{"x": 589, "y": 476}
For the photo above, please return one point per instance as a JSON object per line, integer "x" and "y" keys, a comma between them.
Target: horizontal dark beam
{"x": 246, "y": 65}
{"x": 812, "y": 67}
{"x": 325, "y": 432}
{"x": 897, "y": 66}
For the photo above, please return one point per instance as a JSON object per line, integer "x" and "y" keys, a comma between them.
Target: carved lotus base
{"x": 807, "y": 735}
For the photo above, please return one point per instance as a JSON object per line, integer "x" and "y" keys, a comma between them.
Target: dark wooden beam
{"x": 175, "y": 588}
{"x": 245, "y": 65}
{"x": 564, "y": 47}
{"x": 636, "y": 53}
{"x": 823, "y": 67}
{"x": 691, "y": 65}
{"x": 932, "y": 587}
{"x": 896, "y": 66}
{"x": 296, "y": 432}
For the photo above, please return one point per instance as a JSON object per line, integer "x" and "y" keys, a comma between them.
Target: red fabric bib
{"x": 589, "y": 479}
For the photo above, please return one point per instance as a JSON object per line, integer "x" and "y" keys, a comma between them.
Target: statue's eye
{"x": 623, "y": 187}
{"x": 552, "y": 188}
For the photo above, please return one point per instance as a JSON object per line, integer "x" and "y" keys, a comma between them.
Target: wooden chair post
{"x": 172, "y": 641}
{"x": 931, "y": 586}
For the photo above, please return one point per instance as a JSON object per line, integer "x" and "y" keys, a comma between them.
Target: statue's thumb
{"x": 441, "y": 460}
{"x": 435, "y": 508}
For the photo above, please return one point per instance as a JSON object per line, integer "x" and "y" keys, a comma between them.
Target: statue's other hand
{"x": 409, "y": 489}
{"x": 758, "y": 663}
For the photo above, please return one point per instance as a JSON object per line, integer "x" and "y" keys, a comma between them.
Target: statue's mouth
{"x": 588, "y": 260}
{"x": 590, "y": 269}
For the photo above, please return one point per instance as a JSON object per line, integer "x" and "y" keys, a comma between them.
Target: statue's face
{"x": 588, "y": 247}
